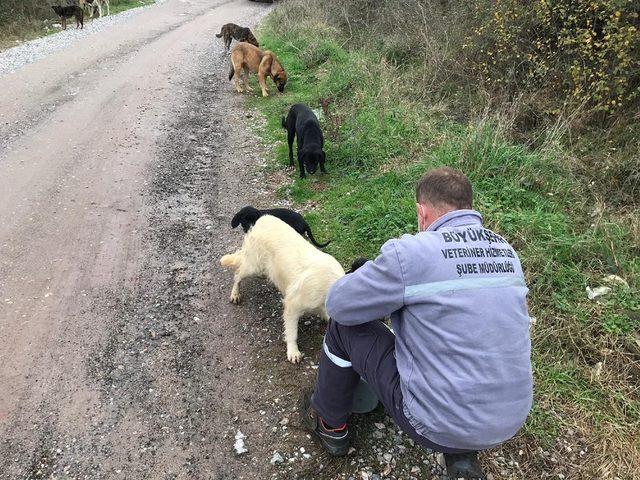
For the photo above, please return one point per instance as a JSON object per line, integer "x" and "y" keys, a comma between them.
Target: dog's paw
{"x": 265, "y": 94}
{"x": 235, "y": 298}
{"x": 294, "y": 356}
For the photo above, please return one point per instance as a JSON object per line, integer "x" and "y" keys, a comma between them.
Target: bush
{"x": 583, "y": 52}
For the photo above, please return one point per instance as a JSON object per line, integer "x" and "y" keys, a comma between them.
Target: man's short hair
{"x": 445, "y": 187}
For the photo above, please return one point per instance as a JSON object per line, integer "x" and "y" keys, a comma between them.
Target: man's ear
{"x": 421, "y": 211}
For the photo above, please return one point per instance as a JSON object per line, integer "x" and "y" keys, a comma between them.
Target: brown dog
{"x": 245, "y": 56}
{"x": 242, "y": 34}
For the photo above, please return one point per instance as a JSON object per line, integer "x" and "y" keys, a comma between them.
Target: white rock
{"x": 276, "y": 459}
{"x": 239, "y": 446}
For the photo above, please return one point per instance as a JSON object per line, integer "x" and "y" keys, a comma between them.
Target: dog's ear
{"x": 253, "y": 216}
{"x": 236, "y": 220}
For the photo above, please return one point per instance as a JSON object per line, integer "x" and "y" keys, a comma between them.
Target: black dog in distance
{"x": 301, "y": 122}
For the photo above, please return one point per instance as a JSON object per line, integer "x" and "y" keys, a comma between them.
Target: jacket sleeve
{"x": 372, "y": 292}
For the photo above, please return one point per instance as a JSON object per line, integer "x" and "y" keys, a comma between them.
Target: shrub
{"x": 584, "y": 52}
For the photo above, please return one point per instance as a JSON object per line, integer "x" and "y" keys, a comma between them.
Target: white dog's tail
{"x": 231, "y": 260}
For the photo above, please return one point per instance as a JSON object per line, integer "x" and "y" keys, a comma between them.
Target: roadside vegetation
{"x": 538, "y": 105}
{"x": 22, "y": 20}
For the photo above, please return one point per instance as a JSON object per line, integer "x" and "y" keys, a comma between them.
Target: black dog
{"x": 248, "y": 216}
{"x": 357, "y": 263}
{"x": 301, "y": 122}
{"x": 68, "y": 12}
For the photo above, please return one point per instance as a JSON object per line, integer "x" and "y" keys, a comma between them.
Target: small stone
{"x": 380, "y": 426}
{"x": 276, "y": 459}
{"x": 239, "y": 445}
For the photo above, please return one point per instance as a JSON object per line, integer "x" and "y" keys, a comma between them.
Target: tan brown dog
{"x": 245, "y": 56}
{"x": 242, "y": 34}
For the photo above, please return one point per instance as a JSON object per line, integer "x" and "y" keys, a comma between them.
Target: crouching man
{"x": 456, "y": 376}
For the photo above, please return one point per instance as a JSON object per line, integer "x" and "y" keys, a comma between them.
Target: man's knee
{"x": 341, "y": 338}
{"x": 334, "y": 345}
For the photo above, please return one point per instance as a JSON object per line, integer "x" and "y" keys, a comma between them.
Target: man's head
{"x": 440, "y": 191}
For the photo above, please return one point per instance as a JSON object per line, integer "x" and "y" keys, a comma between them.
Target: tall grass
{"x": 381, "y": 136}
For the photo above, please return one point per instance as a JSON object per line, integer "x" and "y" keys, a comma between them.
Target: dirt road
{"x": 122, "y": 159}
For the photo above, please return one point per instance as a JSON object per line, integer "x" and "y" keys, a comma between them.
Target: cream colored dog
{"x": 301, "y": 272}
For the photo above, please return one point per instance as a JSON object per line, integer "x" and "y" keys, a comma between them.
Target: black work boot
{"x": 463, "y": 465}
{"x": 334, "y": 440}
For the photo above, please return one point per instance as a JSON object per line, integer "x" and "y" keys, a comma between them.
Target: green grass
{"x": 378, "y": 143}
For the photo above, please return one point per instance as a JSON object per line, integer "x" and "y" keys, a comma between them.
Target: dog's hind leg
{"x": 236, "y": 68}
{"x": 291, "y": 315}
{"x": 245, "y": 79}
{"x": 243, "y": 269}
{"x": 237, "y": 72}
